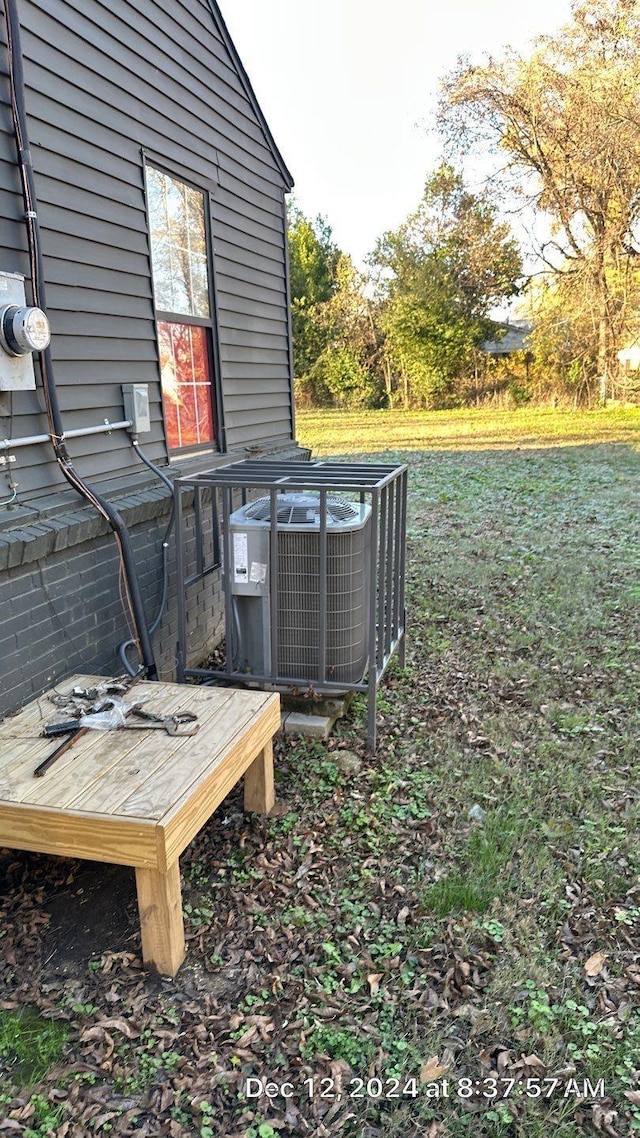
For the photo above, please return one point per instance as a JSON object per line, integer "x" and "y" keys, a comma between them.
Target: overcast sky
{"x": 348, "y": 88}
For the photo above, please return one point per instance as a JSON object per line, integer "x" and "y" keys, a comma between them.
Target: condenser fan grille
{"x": 347, "y": 601}
{"x": 302, "y": 510}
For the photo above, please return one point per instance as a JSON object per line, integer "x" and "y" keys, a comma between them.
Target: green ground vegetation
{"x": 330, "y": 431}
{"x": 29, "y": 1044}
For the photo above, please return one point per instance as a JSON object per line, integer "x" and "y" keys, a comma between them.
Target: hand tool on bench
{"x": 50, "y": 759}
{"x": 75, "y": 730}
{"x": 182, "y": 723}
{"x": 82, "y": 717}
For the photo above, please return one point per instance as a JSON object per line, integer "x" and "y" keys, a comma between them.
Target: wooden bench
{"x": 137, "y": 797}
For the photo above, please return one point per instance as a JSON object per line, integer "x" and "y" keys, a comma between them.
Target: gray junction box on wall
{"x": 136, "y": 406}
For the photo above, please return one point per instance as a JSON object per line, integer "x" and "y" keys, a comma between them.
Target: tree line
{"x": 561, "y": 127}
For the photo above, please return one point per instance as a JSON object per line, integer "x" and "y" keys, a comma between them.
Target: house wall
{"x": 60, "y": 603}
{"x": 108, "y": 85}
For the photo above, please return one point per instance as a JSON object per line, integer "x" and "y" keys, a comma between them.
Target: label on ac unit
{"x": 240, "y": 559}
{"x": 258, "y": 572}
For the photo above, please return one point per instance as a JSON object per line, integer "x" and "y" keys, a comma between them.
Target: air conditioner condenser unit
{"x": 297, "y": 569}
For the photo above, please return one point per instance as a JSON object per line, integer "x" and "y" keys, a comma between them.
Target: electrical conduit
{"x": 108, "y": 511}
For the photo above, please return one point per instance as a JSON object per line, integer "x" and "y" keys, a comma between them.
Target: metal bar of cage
{"x": 199, "y": 536}
{"x": 391, "y": 539}
{"x": 402, "y": 578}
{"x": 181, "y": 661}
{"x": 382, "y": 573}
{"x": 322, "y": 599}
{"x": 373, "y": 678}
{"x": 228, "y": 603}
{"x": 382, "y": 487}
{"x": 273, "y": 582}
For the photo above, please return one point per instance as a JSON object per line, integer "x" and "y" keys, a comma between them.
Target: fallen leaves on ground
{"x": 371, "y": 930}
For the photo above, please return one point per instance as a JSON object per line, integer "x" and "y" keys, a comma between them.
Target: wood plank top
{"x": 132, "y": 782}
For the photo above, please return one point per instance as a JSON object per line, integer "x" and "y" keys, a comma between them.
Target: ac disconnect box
{"x": 136, "y": 406}
{"x": 16, "y": 372}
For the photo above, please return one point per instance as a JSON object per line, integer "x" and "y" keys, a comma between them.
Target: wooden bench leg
{"x": 160, "y": 907}
{"x": 259, "y": 795}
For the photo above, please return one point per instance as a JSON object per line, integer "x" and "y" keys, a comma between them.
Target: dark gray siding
{"x": 106, "y": 84}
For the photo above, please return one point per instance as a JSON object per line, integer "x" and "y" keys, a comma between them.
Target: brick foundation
{"x": 60, "y": 599}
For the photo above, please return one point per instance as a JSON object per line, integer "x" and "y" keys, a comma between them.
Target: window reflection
{"x": 179, "y": 260}
{"x": 178, "y": 245}
{"x": 186, "y": 384}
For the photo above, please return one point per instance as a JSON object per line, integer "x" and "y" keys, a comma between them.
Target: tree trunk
{"x": 603, "y": 317}
{"x": 388, "y": 386}
{"x": 603, "y": 356}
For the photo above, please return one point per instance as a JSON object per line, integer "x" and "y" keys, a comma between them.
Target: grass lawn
{"x": 447, "y": 933}
{"x": 338, "y": 432}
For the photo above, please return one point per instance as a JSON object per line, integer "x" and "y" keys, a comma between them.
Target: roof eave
{"x": 246, "y": 82}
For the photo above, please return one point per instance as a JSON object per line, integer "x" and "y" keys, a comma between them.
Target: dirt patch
{"x": 93, "y": 912}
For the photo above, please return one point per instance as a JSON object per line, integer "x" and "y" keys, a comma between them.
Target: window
{"x": 180, "y": 263}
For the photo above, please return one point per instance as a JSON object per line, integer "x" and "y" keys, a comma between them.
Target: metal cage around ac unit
{"x": 313, "y": 557}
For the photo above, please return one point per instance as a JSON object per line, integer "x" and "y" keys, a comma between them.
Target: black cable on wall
{"x": 54, "y": 418}
{"x": 126, "y": 645}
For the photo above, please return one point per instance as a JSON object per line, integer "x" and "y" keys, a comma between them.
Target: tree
{"x": 560, "y": 340}
{"x": 313, "y": 260}
{"x": 565, "y": 123}
{"x": 440, "y": 273}
{"x": 348, "y": 371}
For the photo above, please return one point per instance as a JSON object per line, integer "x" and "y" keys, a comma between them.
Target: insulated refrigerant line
{"x": 135, "y": 606}
{"x": 124, "y": 647}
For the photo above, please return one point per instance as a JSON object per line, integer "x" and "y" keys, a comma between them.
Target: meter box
{"x": 23, "y": 330}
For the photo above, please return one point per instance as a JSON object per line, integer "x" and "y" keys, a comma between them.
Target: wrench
{"x": 182, "y": 723}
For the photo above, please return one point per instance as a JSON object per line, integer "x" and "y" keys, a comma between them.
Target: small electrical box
{"x": 22, "y": 331}
{"x": 136, "y": 406}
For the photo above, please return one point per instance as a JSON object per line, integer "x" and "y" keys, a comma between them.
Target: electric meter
{"x": 23, "y": 330}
